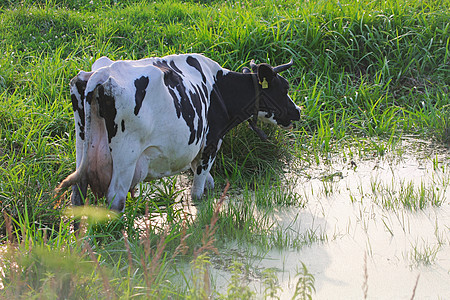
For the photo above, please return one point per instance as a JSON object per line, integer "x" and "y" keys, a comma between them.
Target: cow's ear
{"x": 265, "y": 75}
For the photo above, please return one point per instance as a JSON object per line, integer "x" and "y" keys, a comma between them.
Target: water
{"x": 375, "y": 239}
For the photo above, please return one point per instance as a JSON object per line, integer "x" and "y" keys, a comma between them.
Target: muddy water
{"x": 373, "y": 246}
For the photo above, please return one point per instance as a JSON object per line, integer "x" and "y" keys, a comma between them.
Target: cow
{"x": 140, "y": 120}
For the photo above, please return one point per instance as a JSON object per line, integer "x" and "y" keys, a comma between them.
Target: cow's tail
{"x": 94, "y": 81}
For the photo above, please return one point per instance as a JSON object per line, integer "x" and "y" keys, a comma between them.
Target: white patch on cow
{"x": 298, "y": 109}
{"x": 103, "y": 61}
{"x": 266, "y": 117}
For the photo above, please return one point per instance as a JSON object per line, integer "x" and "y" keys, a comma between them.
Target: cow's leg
{"x": 202, "y": 176}
{"x": 127, "y": 172}
{"x": 79, "y": 193}
{"x": 209, "y": 183}
{"x": 202, "y": 182}
{"x": 77, "y": 198}
{"x": 119, "y": 187}
{"x": 202, "y": 179}
{"x": 124, "y": 166}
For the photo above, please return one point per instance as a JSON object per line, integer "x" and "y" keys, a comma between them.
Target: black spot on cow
{"x": 140, "y": 84}
{"x": 80, "y": 112}
{"x": 74, "y": 102}
{"x": 199, "y": 170}
{"x": 232, "y": 101}
{"x": 89, "y": 96}
{"x": 193, "y": 62}
{"x": 197, "y": 98}
{"x": 175, "y": 68}
{"x": 205, "y": 93}
{"x": 81, "y": 86}
{"x": 123, "y": 125}
{"x": 209, "y": 152}
{"x": 81, "y": 131}
{"x": 165, "y": 68}
{"x": 108, "y": 111}
{"x": 171, "y": 80}
{"x": 187, "y": 103}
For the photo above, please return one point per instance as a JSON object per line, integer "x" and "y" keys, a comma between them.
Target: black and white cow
{"x": 155, "y": 117}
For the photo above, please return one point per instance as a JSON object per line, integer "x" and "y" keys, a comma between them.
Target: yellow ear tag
{"x": 265, "y": 84}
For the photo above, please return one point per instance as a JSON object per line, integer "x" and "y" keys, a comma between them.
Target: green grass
{"x": 365, "y": 73}
{"x": 403, "y": 194}
{"x": 423, "y": 254}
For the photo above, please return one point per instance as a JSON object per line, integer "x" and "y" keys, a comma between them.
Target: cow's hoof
{"x": 196, "y": 196}
{"x": 118, "y": 206}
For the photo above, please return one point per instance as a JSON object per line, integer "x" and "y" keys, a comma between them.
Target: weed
{"x": 423, "y": 255}
{"x": 208, "y": 235}
{"x": 275, "y": 193}
{"x": 271, "y": 285}
{"x": 201, "y": 282}
{"x": 406, "y": 195}
{"x": 237, "y": 288}
{"x": 304, "y": 288}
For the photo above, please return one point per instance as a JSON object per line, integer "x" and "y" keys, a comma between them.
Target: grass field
{"x": 365, "y": 72}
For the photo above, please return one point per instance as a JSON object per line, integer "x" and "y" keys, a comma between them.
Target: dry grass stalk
{"x": 182, "y": 247}
{"x": 8, "y": 225}
{"x": 44, "y": 234}
{"x": 145, "y": 240}
{"x": 415, "y": 287}
{"x": 146, "y": 277}
{"x": 58, "y": 199}
{"x": 365, "y": 285}
{"x": 155, "y": 262}
{"x": 207, "y": 283}
{"x": 127, "y": 246}
{"x": 79, "y": 234}
{"x": 208, "y": 238}
{"x": 105, "y": 280}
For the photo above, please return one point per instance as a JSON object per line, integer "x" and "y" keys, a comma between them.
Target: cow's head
{"x": 272, "y": 100}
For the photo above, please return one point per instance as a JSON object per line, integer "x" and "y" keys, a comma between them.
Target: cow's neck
{"x": 232, "y": 101}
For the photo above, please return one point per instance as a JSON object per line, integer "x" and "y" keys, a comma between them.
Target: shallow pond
{"x": 377, "y": 227}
